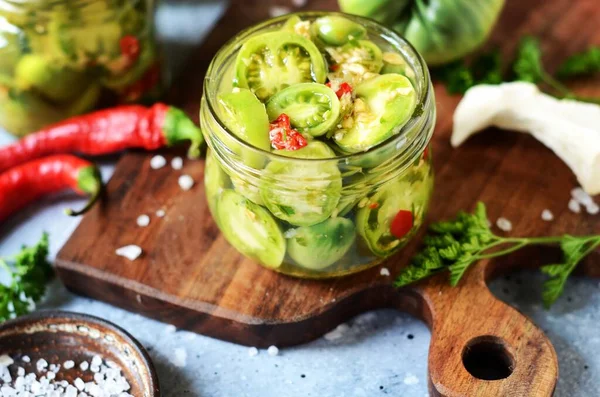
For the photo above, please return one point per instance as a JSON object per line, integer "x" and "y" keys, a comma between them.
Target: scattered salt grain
{"x": 299, "y": 3}
{"x": 143, "y": 220}
{"x": 21, "y": 371}
{"x": 384, "y": 271}
{"x": 157, "y": 162}
{"x": 41, "y": 365}
{"x": 84, "y": 366}
{"x": 131, "y": 252}
{"x": 337, "y": 333}
{"x": 179, "y": 357}
{"x": 186, "y": 182}
{"x": 160, "y": 213}
{"x": 277, "y": 11}
{"x": 592, "y": 209}
{"x": 504, "y": 224}
{"x": 410, "y": 379}
{"x": 96, "y": 361}
{"x": 26, "y": 359}
{"x": 574, "y": 206}
{"x": 273, "y": 351}
{"x": 169, "y": 329}
{"x": 6, "y": 360}
{"x": 68, "y": 364}
{"x": 547, "y": 215}
{"x": 79, "y": 384}
{"x": 253, "y": 352}
{"x": 581, "y": 196}
{"x": 177, "y": 163}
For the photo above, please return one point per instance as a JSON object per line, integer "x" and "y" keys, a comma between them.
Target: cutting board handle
{"x": 481, "y": 346}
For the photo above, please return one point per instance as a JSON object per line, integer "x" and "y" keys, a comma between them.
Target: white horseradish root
{"x": 570, "y": 128}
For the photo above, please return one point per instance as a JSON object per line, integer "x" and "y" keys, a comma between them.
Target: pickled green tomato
{"x": 336, "y": 31}
{"x": 302, "y": 193}
{"x": 250, "y": 228}
{"x": 374, "y": 220}
{"x": 313, "y": 108}
{"x": 246, "y": 117}
{"x": 383, "y": 105}
{"x": 215, "y": 180}
{"x": 269, "y": 62}
{"x": 320, "y": 246}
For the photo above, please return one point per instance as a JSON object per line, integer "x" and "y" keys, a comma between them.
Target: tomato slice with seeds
{"x": 402, "y": 224}
{"x": 270, "y": 62}
{"x": 283, "y": 136}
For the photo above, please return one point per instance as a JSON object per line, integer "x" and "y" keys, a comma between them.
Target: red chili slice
{"x": 402, "y": 224}
{"x": 283, "y": 136}
{"x": 345, "y": 88}
{"x": 130, "y": 47}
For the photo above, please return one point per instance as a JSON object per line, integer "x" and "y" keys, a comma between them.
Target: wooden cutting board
{"x": 189, "y": 275}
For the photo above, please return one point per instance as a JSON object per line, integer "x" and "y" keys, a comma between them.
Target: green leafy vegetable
{"x": 29, "y": 272}
{"x": 458, "y": 77}
{"x": 581, "y": 64}
{"x": 455, "y": 245}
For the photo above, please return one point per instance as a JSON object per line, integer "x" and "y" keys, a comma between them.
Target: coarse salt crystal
{"x": 157, "y": 162}
{"x": 384, "y": 271}
{"x": 84, "y": 366}
{"x": 504, "y": 224}
{"x": 272, "y": 351}
{"x": 160, "y": 213}
{"x": 581, "y": 196}
{"x": 79, "y": 384}
{"x": 41, "y": 364}
{"x": 131, "y": 252}
{"x": 96, "y": 361}
{"x": 277, "y": 11}
{"x": 21, "y": 371}
{"x": 26, "y": 359}
{"x": 69, "y": 364}
{"x": 592, "y": 208}
{"x": 253, "y": 351}
{"x": 337, "y": 333}
{"x": 143, "y": 220}
{"x": 186, "y": 182}
{"x": 6, "y": 360}
{"x": 547, "y": 215}
{"x": 177, "y": 163}
{"x": 170, "y": 328}
{"x": 574, "y": 206}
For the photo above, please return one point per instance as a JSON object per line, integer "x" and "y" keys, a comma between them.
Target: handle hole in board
{"x": 488, "y": 358}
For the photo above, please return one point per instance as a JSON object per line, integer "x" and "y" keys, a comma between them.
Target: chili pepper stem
{"x": 178, "y": 127}
{"x": 89, "y": 181}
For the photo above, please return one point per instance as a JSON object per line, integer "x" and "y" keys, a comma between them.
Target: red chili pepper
{"x": 283, "y": 136}
{"x": 27, "y": 182}
{"x": 148, "y": 81}
{"x": 402, "y": 224}
{"x": 345, "y": 88}
{"x": 107, "y": 131}
{"x": 130, "y": 47}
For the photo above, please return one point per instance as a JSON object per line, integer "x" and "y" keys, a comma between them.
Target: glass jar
{"x": 317, "y": 218}
{"x": 58, "y": 58}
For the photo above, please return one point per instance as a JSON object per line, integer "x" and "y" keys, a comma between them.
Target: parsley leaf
{"x": 455, "y": 245}
{"x": 458, "y": 77}
{"x": 581, "y": 64}
{"x": 28, "y": 271}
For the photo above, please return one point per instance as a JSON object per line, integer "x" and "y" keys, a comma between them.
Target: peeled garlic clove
{"x": 570, "y": 128}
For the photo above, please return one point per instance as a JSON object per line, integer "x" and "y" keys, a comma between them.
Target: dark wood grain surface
{"x": 189, "y": 275}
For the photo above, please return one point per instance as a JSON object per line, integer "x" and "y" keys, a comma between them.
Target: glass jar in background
{"x": 59, "y": 58}
{"x": 318, "y": 218}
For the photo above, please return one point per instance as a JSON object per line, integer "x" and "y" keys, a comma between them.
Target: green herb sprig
{"x": 453, "y": 246}
{"x": 29, "y": 271}
{"x": 487, "y": 68}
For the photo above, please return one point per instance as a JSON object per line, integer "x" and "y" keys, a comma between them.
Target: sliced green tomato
{"x": 247, "y": 189}
{"x": 313, "y": 108}
{"x": 302, "y": 193}
{"x": 320, "y": 246}
{"x": 387, "y": 102}
{"x": 374, "y": 219}
{"x": 60, "y": 84}
{"x": 215, "y": 180}
{"x": 336, "y": 31}
{"x": 314, "y": 150}
{"x": 24, "y": 113}
{"x": 12, "y": 46}
{"x": 250, "y": 229}
{"x": 271, "y": 61}
{"x": 364, "y": 54}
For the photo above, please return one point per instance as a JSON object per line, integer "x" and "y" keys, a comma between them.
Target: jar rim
{"x": 238, "y": 40}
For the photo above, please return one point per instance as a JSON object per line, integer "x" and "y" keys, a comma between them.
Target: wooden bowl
{"x": 59, "y": 336}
